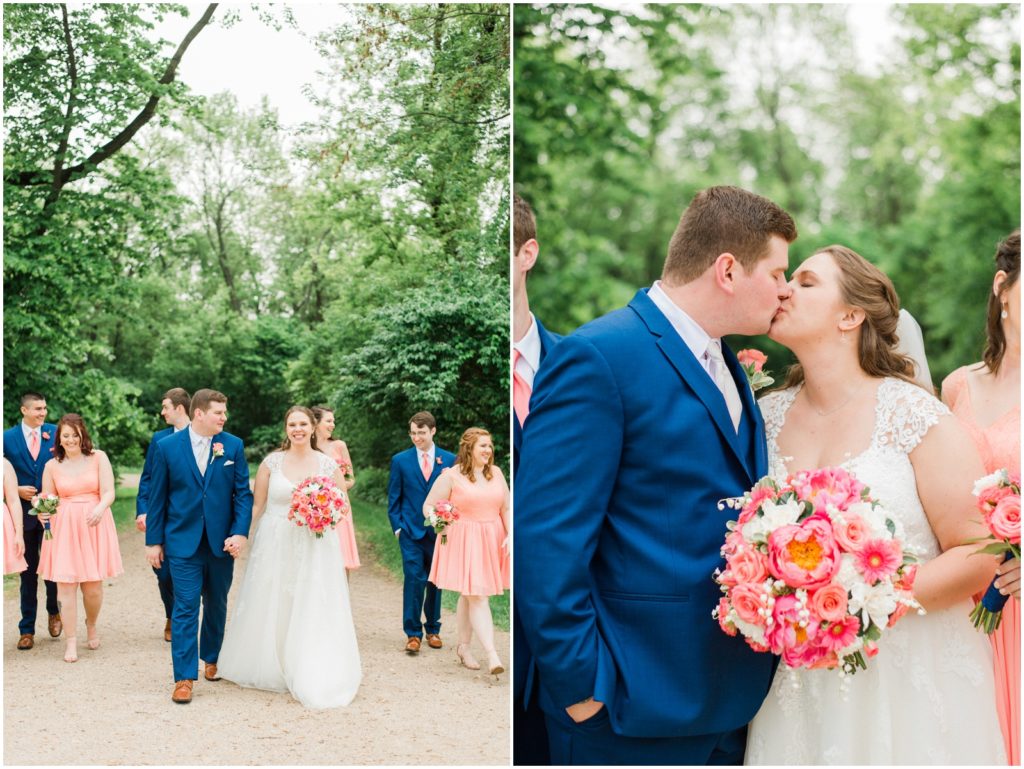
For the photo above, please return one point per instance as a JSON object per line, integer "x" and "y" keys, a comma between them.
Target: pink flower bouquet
{"x": 815, "y": 571}
{"x": 442, "y": 514}
{"x": 753, "y": 362}
{"x": 45, "y": 504}
{"x": 999, "y": 504}
{"x": 318, "y": 505}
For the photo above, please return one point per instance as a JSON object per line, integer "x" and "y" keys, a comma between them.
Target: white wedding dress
{"x": 928, "y": 697}
{"x": 291, "y": 629}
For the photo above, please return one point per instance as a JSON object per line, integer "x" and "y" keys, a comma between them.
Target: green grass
{"x": 373, "y": 530}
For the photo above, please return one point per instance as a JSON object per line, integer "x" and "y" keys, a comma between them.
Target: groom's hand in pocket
{"x": 155, "y": 555}
{"x": 583, "y": 711}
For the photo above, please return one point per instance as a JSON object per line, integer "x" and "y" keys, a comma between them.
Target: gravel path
{"x": 113, "y": 706}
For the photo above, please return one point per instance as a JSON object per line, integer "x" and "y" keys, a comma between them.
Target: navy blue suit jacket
{"x": 182, "y": 504}
{"x": 28, "y": 470}
{"x": 147, "y": 470}
{"x": 627, "y": 450}
{"x": 407, "y": 489}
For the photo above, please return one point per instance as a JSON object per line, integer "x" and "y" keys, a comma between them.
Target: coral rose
{"x": 752, "y": 357}
{"x": 829, "y": 602}
{"x": 1005, "y": 519}
{"x": 852, "y": 533}
{"x": 746, "y": 600}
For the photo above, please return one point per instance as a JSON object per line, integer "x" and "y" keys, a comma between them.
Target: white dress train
{"x": 291, "y": 629}
{"x": 928, "y": 697}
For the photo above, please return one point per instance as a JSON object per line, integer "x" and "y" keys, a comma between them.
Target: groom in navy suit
{"x": 531, "y": 344}
{"x": 413, "y": 472}
{"x": 28, "y": 446}
{"x": 199, "y": 511}
{"x": 640, "y": 422}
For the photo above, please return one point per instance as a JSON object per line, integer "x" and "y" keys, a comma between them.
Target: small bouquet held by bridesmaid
{"x": 999, "y": 504}
{"x": 815, "y": 571}
{"x": 442, "y": 514}
{"x": 318, "y": 505}
{"x": 45, "y": 504}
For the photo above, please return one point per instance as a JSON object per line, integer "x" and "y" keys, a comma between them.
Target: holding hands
{"x": 234, "y": 545}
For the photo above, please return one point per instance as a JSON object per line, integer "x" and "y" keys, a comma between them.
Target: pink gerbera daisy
{"x": 878, "y": 559}
{"x": 839, "y": 635}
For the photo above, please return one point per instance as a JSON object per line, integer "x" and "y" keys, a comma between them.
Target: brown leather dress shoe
{"x": 182, "y": 692}
{"x": 27, "y": 641}
{"x": 167, "y": 631}
{"x": 412, "y": 646}
{"x": 55, "y": 625}
{"x": 210, "y": 673}
{"x": 434, "y": 641}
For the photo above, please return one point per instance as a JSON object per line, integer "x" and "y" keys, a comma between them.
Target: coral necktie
{"x": 426, "y": 467}
{"x": 520, "y": 391}
{"x": 33, "y": 446}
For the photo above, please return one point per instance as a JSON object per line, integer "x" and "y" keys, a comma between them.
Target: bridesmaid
{"x": 14, "y": 534}
{"x": 474, "y": 561}
{"x": 338, "y": 451}
{"x": 84, "y": 548}
{"x": 986, "y": 397}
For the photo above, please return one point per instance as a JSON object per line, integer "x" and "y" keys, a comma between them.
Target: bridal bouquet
{"x": 999, "y": 504}
{"x": 318, "y": 505}
{"x": 45, "y": 504}
{"x": 815, "y": 571}
{"x": 442, "y": 514}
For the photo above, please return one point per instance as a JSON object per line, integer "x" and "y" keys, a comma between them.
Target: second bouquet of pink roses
{"x": 815, "y": 571}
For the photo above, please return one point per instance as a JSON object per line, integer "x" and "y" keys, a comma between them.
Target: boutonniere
{"x": 753, "y": 362}
{"x": 439, "y": 460}
{"x": 218, "y": 450}
{"x": 46, "y": 435}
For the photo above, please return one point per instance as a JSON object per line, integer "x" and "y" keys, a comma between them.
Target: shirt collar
{"x": 196, "y": 438}
{"x": 529, "y": 345}
{"x": 179, "y": 429}
{"x": 27, "y": 431}
{"x": 695, "y": 337}
{"x": 430, "y": 453}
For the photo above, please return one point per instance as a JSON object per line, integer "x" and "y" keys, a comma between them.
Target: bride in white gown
{"x": 291, "y": 629}
{"x": 928, "y": 697}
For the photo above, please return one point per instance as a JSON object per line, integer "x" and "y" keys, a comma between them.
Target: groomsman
{"x": 174, "y": 410}
{"x": 28, "y": 446}
{"x": 413, "y": 471}
{"x": 531, "y": 343}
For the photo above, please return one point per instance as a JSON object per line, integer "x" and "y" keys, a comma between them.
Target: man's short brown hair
{"x": 524, "y": 223}
{"x": 720, "y": 220}
{"x": 178, "y": 396}
{"x": 203, "y": 398}
{"x": 423, "y": 419}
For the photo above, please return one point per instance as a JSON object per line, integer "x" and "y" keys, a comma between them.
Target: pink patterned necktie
{"x": 34, "y": 445}
{"x": 520, "y": 391}
{"x": 426, "y": 467}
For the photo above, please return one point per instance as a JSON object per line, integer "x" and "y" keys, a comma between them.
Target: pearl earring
{"x": 1004, "y": 314}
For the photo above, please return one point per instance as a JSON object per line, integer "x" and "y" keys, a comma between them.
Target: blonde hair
{"x": 863, "y": 285}
{"x": 464, "y": 459}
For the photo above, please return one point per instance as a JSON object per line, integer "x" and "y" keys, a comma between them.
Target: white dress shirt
{"x": 27, "y": 432}
{"x": 200, "y": 449}
{"x": 529, "y": 353}
{"x": 689, "y": 330}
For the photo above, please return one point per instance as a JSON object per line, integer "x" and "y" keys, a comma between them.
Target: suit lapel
{"x": 209, "y": 462}
{"x": 690, "y": 370}
{"x": 750, "y": 411}
{"x": 190, "y": 457}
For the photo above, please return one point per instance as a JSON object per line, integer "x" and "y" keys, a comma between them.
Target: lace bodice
{"x": 903, "y": 415}
{"x": 279, "y": 493}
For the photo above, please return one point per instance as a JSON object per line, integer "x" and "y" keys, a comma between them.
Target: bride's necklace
{"x": 834, "y": 409}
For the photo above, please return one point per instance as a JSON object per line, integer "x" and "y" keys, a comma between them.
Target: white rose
{"x": 778, "y": 515}
{"x": 876, "y": 602}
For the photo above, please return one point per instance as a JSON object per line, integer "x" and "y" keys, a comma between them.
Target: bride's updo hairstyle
{"x": 1007, "y": 260}
{"x": 287, "y": 444}
{"x": 464, "y": 459}
{"x": 863, "y": 285}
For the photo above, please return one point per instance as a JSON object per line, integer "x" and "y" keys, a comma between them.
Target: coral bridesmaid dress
{"x": 472, "y": 561}
{"x": 13, "y": 563}
{"x": 346, "y": 527}
{"x": 999, "y": 446}
{"x": 79, "y": 552}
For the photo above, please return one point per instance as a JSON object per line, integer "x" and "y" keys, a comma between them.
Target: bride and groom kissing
{"x": 653, "y": 423}
{"x": 199, "y": 513}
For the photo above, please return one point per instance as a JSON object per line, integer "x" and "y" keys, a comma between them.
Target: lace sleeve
{"x": 904, "y": 414}
{"x": 328, "y": 466}
{"x": 773, "y": 409}
{"x": 273, "y": 460}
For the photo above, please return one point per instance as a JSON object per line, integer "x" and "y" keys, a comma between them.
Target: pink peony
{"x": 804, "y": 554}
{"x": 852, "y": 533}
{"x": 828, "y": 486}
{"x": 752, "y": 357}
{"x": 829, "y": 602}
{"x": 746, "y": 600}
{"x": 1005, "y": 519}
{"x": 785, "y": 631}
{"x": 878, "y": 559}
{"x": 839, "y": 634}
